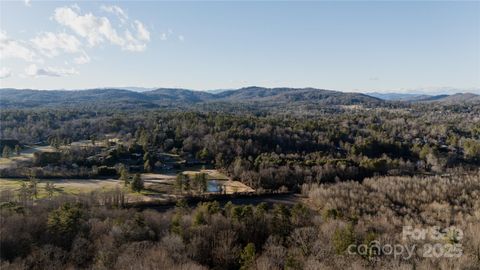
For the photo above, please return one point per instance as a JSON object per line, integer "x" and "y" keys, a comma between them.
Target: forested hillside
{"x": 177, "y": 97}
{"x": 249, "y": 96}
{"x": 269, "y": 150}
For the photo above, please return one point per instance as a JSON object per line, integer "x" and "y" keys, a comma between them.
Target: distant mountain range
{"x": 146, "y": 89}
{"x": 393, "y": 96}
{"x": 178, "y": 97}
{"x": 455, "y": 98}
{"x": 164, "y": 97}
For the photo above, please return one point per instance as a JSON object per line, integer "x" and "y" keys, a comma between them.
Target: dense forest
{"x": 267, "y": 150}
{"x": 72, "y": 233}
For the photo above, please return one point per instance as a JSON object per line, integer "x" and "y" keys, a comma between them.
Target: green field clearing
{"x": 74, "y": 187}
{"x": 156, "y": 185}
{"x": 211, "y": 174}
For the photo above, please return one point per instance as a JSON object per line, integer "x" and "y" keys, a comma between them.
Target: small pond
{"x": 214, "y": 186}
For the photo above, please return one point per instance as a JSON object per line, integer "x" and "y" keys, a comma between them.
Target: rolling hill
{"x": 393, "y": 96}
{"x": 180, "y": 97}
{"x": 461, "y": 98}
{"x": 457, "y": 98}
{"x": 42, "y": 98}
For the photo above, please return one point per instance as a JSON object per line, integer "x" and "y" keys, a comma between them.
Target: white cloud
{"x": 5, "y": 73}
{"x": 94, "y": 29}
{"x": 10, "y": 48}
{"x": 132, "y": 43}
{"x": 82, "y": 59}
{"x": 97, "y": 30}
{"x": 122, "y": 15}
{"x": 142, "y": 32}
{"x": 83, "y": 30}
{"x": 170, "y": 34}
{"x": 34, "y": 71}
{"x": 51, "y": 44}
{"x": 27, "y": 3}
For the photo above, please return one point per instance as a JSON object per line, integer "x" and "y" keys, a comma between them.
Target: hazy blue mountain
{"x": 393, "y": 96}
{"x": 217, "y": 91}
{"x": 136, "y": 89}
{"x": 458, "y": 98}
{"x": 427, "y": 98}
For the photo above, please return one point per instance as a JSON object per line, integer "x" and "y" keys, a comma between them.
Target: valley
{"x": 198, "y": 179}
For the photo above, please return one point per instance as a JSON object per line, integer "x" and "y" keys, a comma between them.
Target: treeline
{"x": 71, "y": 233}
{"x": 271, "y": 151}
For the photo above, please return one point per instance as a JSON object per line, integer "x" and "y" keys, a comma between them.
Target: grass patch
{"x": 211, "y": 174}
{"x": 5, "y": 161}
{"x": 10, "y": 183}
{"x": 73, "y": 187}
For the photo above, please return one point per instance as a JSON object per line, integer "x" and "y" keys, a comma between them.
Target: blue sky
{"x": 348, "y": 46}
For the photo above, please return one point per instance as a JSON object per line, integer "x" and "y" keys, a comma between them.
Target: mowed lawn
{"x": 25, "y": 155}
{"x": 152, "y": 191}
{"x": 211, "y": 174}
{"x": 157, "y": 186}
{"x": 67, "y": 186}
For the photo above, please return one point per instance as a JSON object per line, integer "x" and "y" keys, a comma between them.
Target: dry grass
{"x": 235, "y": 186}
{"x": 211, "y": 174}
{"x": 67, "y": 186}
{"x": 157, "y": 186}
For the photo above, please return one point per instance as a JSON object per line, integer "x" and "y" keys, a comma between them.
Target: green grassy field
{"x": 211, "y": 174}
{"x": 73, "y": 187}
{"x": 156, "y": 185}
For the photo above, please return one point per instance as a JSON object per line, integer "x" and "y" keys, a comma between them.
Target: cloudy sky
{"x": 350, "y": 46}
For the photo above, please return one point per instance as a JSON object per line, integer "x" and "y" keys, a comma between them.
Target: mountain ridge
{"x": 167, "y": 96}
{"x": 162, "y": 97}
{"x": 441, "y": 98}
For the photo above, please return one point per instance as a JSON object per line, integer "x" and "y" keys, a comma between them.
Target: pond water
{"x": 214, "y": 186}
